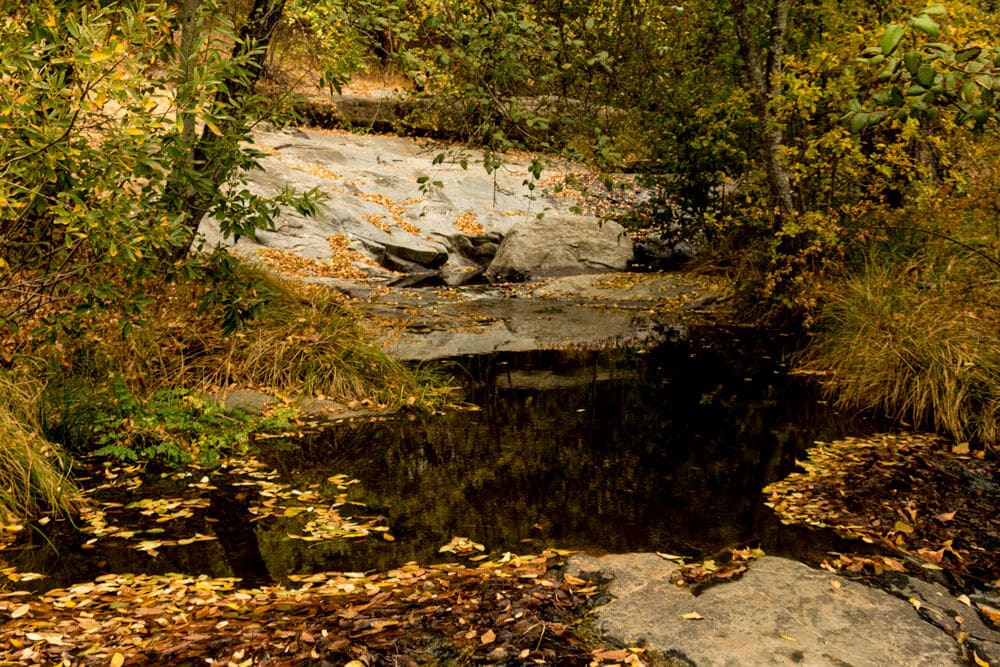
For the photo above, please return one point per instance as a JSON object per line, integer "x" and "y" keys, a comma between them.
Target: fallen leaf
{"x": 670, "y": 556}
{"x": 117, "y": 660}
{"x": 945, "y": 516}
{"x": 903, "y": 527}
{"x": 20, "y": 611}
{"x": 611, "y": 655}
{"x": 488, "y": 637}
{"x": 991, "y": 614}
{"x": 692, "y": 616}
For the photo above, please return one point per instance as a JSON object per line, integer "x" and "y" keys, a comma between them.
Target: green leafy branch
{"x": 920, "y": 79}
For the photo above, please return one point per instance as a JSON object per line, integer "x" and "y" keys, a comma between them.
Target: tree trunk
{"x": 765, "y": 77}
{"x": 207, "y": 154}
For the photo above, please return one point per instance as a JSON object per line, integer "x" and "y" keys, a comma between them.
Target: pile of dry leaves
{"x": 505, "y": 611}
{"x": 931, "y": 504}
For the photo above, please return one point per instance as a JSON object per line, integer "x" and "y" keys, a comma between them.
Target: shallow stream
{"x": 616, "y": 450}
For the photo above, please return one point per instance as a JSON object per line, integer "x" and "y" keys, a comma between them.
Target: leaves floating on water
{"x": 183, "y": 513}
{"x": 461, "y": 546}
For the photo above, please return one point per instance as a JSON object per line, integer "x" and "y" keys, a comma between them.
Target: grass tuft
{"x": 149, "y": 394}
{"x": 303, "y": 341}
{"x": 34, "y": 474}
{"x": 916, "y": 343}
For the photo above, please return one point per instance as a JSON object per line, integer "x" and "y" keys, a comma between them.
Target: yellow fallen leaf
{"x": 53, "y": 638}
{"x": 692, "y": 616}
{"x": 990, "y": 613}
{"x": 117, "y": 660}
{"x": 20, "y": 611}
{"x": 488, "y": 637}
{"x": 673, "y": 557}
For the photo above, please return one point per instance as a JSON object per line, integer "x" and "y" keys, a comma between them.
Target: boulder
{"x": 779, "y": 612}
{"x": 413, "y": 249}
{"x": 560, "y": 245}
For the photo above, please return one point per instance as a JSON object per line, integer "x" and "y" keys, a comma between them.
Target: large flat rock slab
{"x": 780, "y": 612}
{"x": 417, "y": 200}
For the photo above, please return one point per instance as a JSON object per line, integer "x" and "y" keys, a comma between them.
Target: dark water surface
{"x": 613, "y": 451}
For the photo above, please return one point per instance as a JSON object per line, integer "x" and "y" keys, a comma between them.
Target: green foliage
{"x": 481, "y": 62}
{"x": 912, "y": 331}
{"x": 923, "y": 79}
{"x": 175, "y": 426}
{"x": 104, "y": 178}
{"x": 142, "y": 396}
{"x": 339, "y": 38}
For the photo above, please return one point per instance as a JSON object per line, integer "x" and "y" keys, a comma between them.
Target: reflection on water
{"x": 609, "y": 451}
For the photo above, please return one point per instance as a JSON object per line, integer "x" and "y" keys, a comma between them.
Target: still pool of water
{"x": 616, "y": 450}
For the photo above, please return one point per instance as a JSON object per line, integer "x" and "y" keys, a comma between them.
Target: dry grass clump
{"x": 33, "y": 472}
{"x": 304, "y": 341}
{"x": 919, "y": 347}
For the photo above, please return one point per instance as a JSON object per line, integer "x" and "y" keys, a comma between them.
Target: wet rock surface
{"x": 780, "y": 612}
{"x": 580, "y": 312}
{"x": 957, "y": 616}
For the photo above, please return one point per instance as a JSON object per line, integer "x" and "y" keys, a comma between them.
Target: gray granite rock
{"x": 380, "y": 193}
{"x": 780, "y": 612}
{"x": 560, "y": 245}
